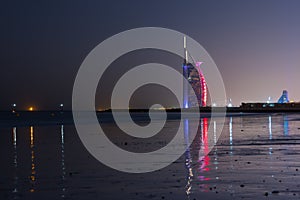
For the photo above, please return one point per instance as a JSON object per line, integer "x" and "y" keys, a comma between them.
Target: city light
{"x": 230, "y": 103}
{"x": 14, "y": 107}
{"x": 30, "y": 108}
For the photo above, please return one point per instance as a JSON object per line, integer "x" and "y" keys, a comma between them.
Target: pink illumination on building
{"x": 202, "y": 85}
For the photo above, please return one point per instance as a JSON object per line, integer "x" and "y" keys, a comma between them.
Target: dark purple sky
{"x": 255, "y": 44}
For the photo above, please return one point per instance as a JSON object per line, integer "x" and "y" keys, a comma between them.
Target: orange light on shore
{"x": 30, "y": 108}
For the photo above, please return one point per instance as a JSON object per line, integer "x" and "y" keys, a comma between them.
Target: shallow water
{"x": 256, "y": 157}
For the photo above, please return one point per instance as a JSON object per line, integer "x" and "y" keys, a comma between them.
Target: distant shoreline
{"x": 168, "y": 110}
{"x": 48, "y": 117}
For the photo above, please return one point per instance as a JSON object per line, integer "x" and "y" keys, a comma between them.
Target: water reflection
{"x": 203, "y": 171}
{"x": 285, "y": 125}
{"x": 230, "y": 186}
{"x": 15, "y": 161}
{"x": 33, "y": 170}
{"x": 270, "y": 127}
{"x": 188, "y": 160}
{"x": 63, "y": 167}
{"x": 32, "y": 178}
{"x": 208, "y": 165}
{"x": 270, "y": 134}
{"x": 230, "y": 133}
{"x": 204, "y": 159}
{"x": 215, "y": 148}
{"x": 215, "y": 132}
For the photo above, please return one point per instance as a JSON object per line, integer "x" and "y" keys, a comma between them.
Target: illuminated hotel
{"x": 195, "y": 77}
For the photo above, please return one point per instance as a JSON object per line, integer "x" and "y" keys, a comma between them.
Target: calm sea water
{"x": 256, "y": 157}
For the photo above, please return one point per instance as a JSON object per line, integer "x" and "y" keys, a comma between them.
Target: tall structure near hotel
{"x": 192, "y": 72}
{"x": 186, "y": 76}
{"x": 284, "y": 97}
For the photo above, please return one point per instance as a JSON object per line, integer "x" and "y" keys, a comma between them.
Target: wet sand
{"x": 256, "y": 157}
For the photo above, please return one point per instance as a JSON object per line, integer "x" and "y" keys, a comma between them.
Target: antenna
{"x": 186, "y": 59}
{"x": 187, "y": 54}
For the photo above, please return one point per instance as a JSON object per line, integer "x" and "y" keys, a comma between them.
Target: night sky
{"x": 255, "y": 44}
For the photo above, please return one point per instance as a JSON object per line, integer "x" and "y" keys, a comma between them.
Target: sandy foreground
{"x": 256, "y": 157}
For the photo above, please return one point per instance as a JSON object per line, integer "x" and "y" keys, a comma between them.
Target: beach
{"x": 255, "y": 157}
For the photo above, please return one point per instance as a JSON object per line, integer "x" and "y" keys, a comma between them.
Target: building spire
{"x": 186, "y": 59}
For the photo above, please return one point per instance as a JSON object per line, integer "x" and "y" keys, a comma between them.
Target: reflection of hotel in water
{"x": 198, "y": 166}
{"x": 202, "y": 159}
